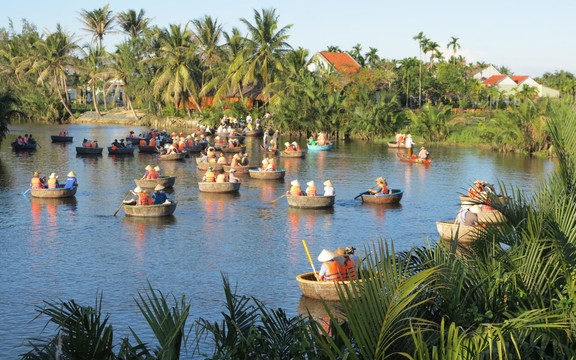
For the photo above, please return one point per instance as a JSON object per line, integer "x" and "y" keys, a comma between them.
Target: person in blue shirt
{"x": 159, "y": 195}
{"x": 71, "y": 181}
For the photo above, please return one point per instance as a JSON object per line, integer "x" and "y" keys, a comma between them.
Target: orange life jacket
{"x": 311, "y": 191}
{"x": 144, "y": 199}
{"x": 36, "y": 183}
{"x": 153, "y": 174}
{"x": 152, "y": 142}
{"x": 94, "y": 144}
{"x": 221, "y": 178}
{"x": 114, "y": 147}
{"x": 333, "y": 273}
{"x": 210, "y": 176}
{"x": 52, "y": 184}
{"x": 295, "y": 190}
{"x": 212, "y": 160}
{"x": 181, "y": 145}
{"x": 143, "y": 142}
{"x": 88, "y": 144}
{"x": 347, "y": 270}
{"x": 271, "y": 167}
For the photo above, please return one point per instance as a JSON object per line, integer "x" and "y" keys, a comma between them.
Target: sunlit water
{"x": 75, "y": 249}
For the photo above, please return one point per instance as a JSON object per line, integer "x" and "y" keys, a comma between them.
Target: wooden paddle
{"x": 309, "y": 257}
{"x": 273, "y": 201}
{"x": 121, "y": 204}
{"x": 364, "y": 193}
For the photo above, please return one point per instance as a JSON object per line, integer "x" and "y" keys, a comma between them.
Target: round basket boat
{"x": 326, "y": 147}
{"x": 267, "y": 175}
{"x": 235, "y": 149}
{"x": 172, "y": 157}
{"x": 321, "y": 290}
{"x": 254, "y": 133}
{"x": 203, "y": 166}
{"x": 449, "y": 231}
{"x": 392, "y": 198}
{"x": 81, "y": 150}
{"x": 59, "y": 138}
{"x": 293, "y": 154}
{"x": 121, "y": 151}
{"x": 311, "y": 202}
{"x": 23, "y": 147}
{"x": 53, "y": 193}
{"x": 268, "y": 152}
{"x": 134, "y": 140}
{"x": 166, "y": 181}
{"x": 194, "y": 149}
{"x": 214, "y": 187}
{"x": 165, "y": 209}
{"x": 240, "y": 169}
{"x": 147, "y": 149}
{"x": 467, "y": 200}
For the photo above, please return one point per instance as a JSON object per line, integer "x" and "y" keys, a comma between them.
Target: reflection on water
{"x": 71, "y": 248}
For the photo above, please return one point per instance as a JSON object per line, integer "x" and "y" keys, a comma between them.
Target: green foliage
{"x": 432, "y": 122}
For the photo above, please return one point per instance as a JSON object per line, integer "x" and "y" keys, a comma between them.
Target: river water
{"x": 75, "y": 249}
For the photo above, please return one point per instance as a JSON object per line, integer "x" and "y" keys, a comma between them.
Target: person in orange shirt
{"x": 37, "y": 182}
{"x": 295, "y": 189}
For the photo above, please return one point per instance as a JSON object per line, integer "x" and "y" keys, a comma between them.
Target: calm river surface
{"x": 53, "y": 250}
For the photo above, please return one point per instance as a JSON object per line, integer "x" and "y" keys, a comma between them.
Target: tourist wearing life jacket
{"x": 152, "y": 142}
{"x": 347, "y": 264}
{"x": 95, "y": 143}
{"x": 158, "y": 171}
{"x": 381, "y": 187}
{"x": 53, "y": 181}
{"x": 149, "y": 169}
{"x": 295, "y": 146}
{"x": 209, "y": 176}
{"x": 288, "y": 147}
{"x": 144, "y": 199}
{"x": 235, "y": 161}
{"x": 222, "y": 159}
{"x": 142, "y": 142}
{"x": 271, "y": 165}
{"x": 265, "y": 163}
{"x": 159, "y": 196}
{"x": 311, "y": 189}
{"x": 221, "y": 178}
{"x": 36, "y": 182}
{"x": 71, "y": 180}
{"x": 330, "y": 270}
{"x": 295, "y": 189}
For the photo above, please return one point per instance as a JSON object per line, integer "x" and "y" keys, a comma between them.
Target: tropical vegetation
{"x": 510, "y": 294}
{"x": 198, "y": 70}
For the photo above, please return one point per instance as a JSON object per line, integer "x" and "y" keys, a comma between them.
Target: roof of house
{"x": 494, "y": 79}
{"x": 341, "y": 61}
{"x": 519, "y": 78}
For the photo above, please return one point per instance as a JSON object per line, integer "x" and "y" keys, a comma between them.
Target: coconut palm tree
{"x": 99, "y": 22}
{"x": 176, "y": 77}
{"x": 421, "y": 41}
{"x": 372, "y": 57}
{"x": 54, "y": 59}
{"x": 207, "y": 37}
{"x": 262, "y": 59}
{"x": 132, "y": 23}
{"x": 93, "y": 65}
{"x": 8, "y": 104}
{"x": 455, "y": 46}
{"x": 122, "y": 67}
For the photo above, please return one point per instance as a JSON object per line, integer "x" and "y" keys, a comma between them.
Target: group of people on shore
{"x": 340, "y": 265}
{"x": 296, "y": 190}
{"x": 52, "y": 182}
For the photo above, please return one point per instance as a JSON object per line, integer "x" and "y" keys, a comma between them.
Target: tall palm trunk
{"x": 95, "y": 101}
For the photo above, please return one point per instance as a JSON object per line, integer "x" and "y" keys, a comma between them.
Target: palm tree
{"x": 175, "y": 78}
{"x": 53, "y": 62}
{"x": 99, "y": 22}
{"x": 93, "y": 66}
{"x": 8, "y": 105}
{"x": 333, "y": 48}
{"x": 262, "y": 59}
{"x": 133, "y": 24}
{"x": 455, "y": 46}
{"x": 207, "y": 37}
{"x": 356, "y": 53}
{"x": 372, "y": 56}
{"x": 122, "y": 67}
{"x": 421, "y": 40}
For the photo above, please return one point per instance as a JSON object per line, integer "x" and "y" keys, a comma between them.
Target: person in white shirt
{"x": 328, "y": 188}
{"x": 409, "y": 143}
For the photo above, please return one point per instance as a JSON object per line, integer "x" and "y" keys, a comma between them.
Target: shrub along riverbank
{"x": 511, "y": 294}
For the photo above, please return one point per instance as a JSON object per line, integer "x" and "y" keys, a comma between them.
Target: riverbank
{"x": 126, "y": 117}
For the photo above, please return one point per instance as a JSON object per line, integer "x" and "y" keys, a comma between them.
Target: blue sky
{"x": 529, "y": 37}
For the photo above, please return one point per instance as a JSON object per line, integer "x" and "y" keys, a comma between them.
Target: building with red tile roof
{"x": 327, "y": 61}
